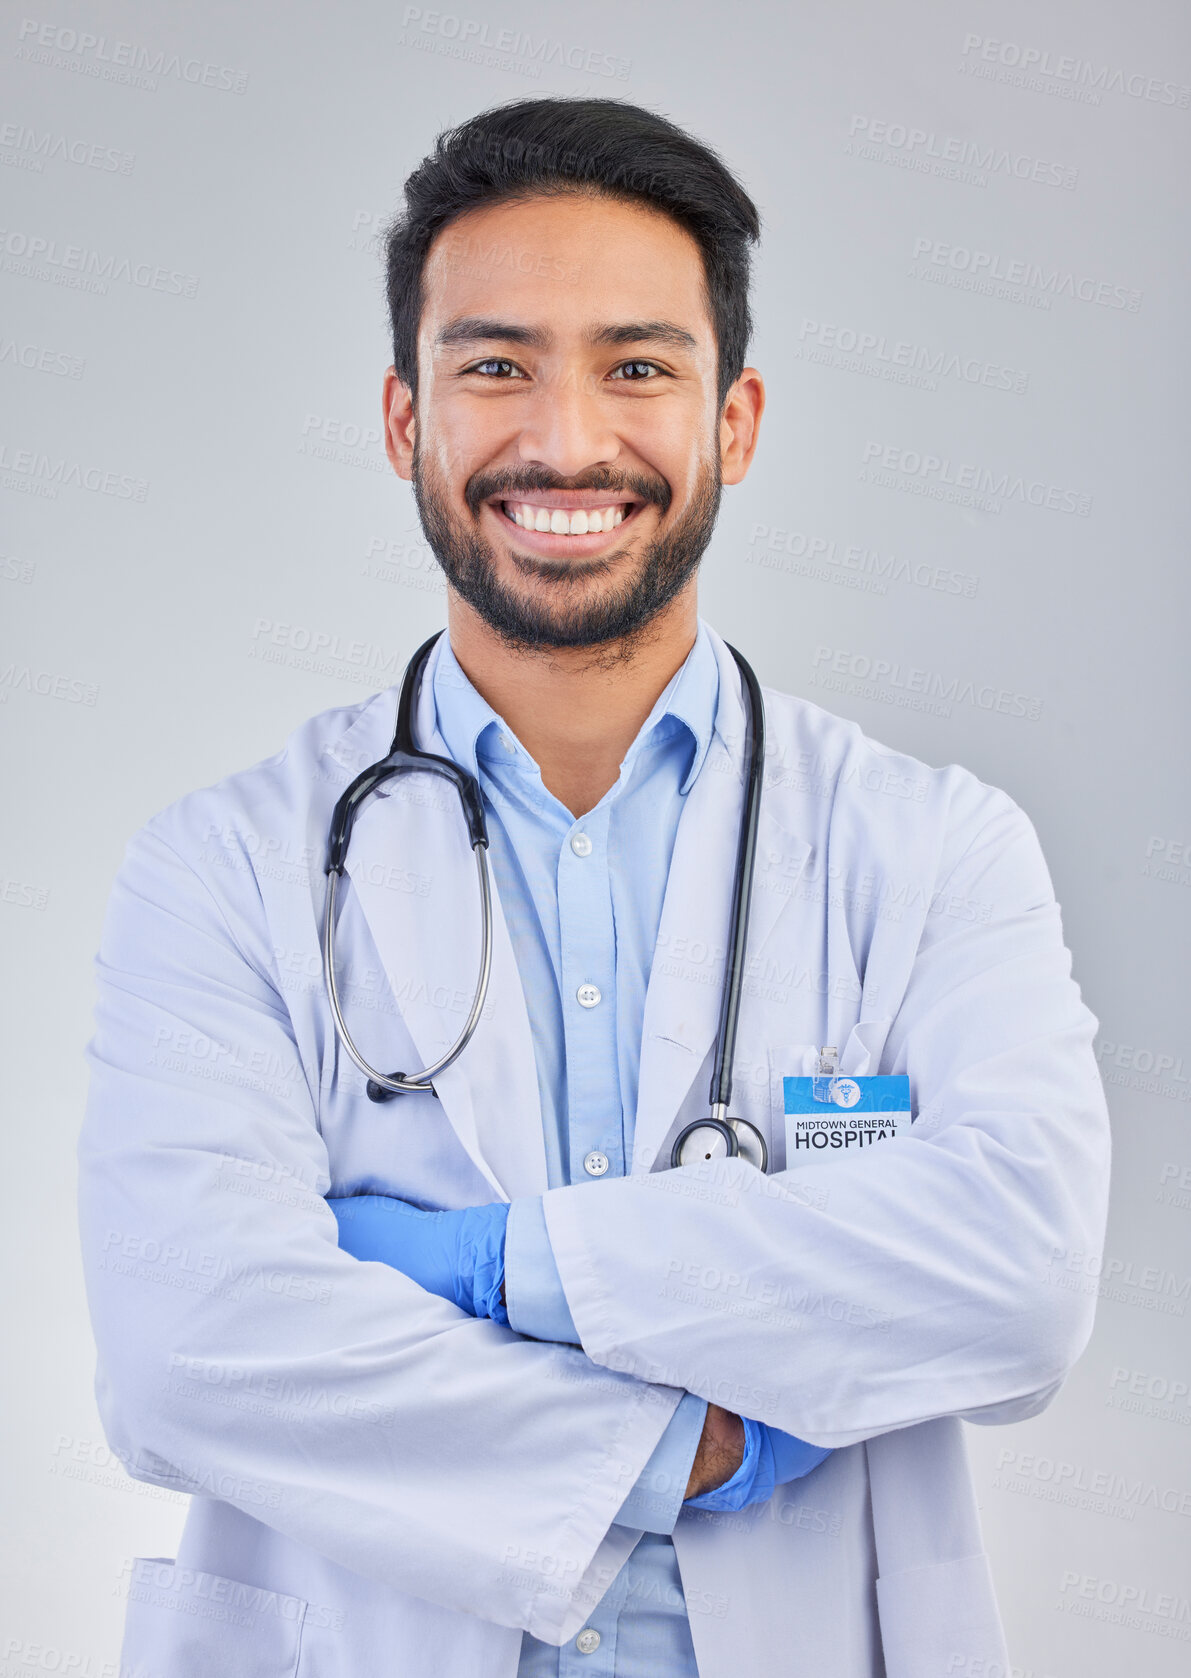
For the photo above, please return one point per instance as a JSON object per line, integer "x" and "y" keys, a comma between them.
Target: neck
{"x": 576, "y": 710}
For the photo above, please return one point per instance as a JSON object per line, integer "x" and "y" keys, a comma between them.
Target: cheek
{"x": 443, "y": 460}
{"x": 682, "y": 455}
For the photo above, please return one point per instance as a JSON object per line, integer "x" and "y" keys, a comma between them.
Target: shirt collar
{"x": 471, "y": 729}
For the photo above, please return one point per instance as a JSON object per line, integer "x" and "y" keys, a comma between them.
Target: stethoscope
{"x": 718, "y": 1136}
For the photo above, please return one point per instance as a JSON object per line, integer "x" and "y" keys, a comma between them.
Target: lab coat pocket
{"x": 182, "y": 1623}
{"x": 860, "y": 1057}
{"x": 941, "y": 1619}
{"x": 861, "y": 1054}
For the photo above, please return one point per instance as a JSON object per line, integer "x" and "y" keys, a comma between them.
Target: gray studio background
{"x": 964, "y": 529}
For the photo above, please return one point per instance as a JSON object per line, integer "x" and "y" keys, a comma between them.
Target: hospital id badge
{"x": 832, "y": 1116}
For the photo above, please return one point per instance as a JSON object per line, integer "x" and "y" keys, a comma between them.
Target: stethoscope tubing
{"x": 405, "y": 757}
{"x": 742, "y": 892}
{"x": 382, "y": 1084}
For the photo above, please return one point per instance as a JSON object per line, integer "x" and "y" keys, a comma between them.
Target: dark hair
{"x": 540, "y": 147}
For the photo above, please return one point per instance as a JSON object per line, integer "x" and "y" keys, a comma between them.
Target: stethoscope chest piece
{"x": 709, "y": 1139}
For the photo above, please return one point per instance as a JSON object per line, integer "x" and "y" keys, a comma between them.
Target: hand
{"x": 770, "y": 1459}
{"x": 457, "y": 1255}
{"x": 720, "y": 1451}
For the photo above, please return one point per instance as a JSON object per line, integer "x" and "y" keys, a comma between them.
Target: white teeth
{"x": 555, "y": 520}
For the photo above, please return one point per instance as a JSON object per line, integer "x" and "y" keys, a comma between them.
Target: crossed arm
{"x": 460, "y": 1255}
{"x": 245, "y": 1356}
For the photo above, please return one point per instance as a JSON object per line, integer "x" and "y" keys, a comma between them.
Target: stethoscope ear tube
{"x": 404, "y": 756}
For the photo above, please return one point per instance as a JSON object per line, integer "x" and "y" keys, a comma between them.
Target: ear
{"x": 398, "y": 414}
{"x": 740, "y": 425}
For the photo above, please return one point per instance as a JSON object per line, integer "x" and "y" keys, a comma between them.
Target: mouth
{"x": 565, "y": 523}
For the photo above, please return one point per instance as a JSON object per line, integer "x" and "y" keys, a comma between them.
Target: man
{"x": 469, "y": 1381}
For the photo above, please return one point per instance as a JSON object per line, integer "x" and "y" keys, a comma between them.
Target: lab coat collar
{"x": 681, "y": 1010}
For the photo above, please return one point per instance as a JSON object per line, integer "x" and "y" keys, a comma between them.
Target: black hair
{"x": 542, "y": 147}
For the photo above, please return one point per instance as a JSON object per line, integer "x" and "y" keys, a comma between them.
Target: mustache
{"x": 514, "y": 485}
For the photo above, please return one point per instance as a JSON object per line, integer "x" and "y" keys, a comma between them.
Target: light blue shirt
{"x": 583, "y": 902}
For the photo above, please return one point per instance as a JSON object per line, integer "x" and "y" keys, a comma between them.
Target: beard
{"x": 563, "y": 606}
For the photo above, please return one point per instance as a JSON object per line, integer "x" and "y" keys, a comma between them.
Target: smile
{"x": 566, "y": 522}
{"x": 561, "y": 521}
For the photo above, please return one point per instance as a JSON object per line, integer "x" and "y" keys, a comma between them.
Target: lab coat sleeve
{"x": 941, "y": 1273}
{"x": 537, "y": 1306}
{"x": 243, "y": 1355}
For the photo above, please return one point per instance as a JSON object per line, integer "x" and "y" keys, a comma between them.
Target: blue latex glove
{"x": 457, "y": 1255}
{"x": 783, "y": 1458}
{"x": 771, "y": 1459}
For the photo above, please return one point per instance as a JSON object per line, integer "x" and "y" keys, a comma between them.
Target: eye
{"x": 634, "y": 378}
{"x": 507, "y": 369}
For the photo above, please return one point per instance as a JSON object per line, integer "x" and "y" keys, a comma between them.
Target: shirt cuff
{"x": 655, "y": 1502}
{"x": 534, "y": 1296}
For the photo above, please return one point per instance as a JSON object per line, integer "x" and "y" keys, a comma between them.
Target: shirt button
{"x": 588, "y": 995}
{"x": 588, "y": 1641}
{"x": 581, "y": 844}
{"x": 595, "y": 1163}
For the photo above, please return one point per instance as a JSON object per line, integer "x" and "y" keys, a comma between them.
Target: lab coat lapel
{"x": 414, "y": 877}
{"x": 684, "y": 996}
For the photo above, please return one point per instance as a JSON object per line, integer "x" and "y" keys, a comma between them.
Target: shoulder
{"x": 825, "y": 775}
{"x": 278, "y": 808}
{"x": 834, "y": 780}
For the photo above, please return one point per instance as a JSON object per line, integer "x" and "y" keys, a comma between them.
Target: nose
{"x": 567, "y": 427}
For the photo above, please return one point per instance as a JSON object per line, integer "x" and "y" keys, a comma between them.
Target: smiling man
{"x": 489, "y": 1378}
{"x": 569, "y": 493}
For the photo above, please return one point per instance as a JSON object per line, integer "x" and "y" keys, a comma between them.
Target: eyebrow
{"x": 480, "y": 329}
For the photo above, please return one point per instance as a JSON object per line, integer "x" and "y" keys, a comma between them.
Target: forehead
{"x": 566, "y": 262}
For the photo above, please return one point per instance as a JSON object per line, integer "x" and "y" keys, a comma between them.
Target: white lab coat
{"x": 384, "y": 1484}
